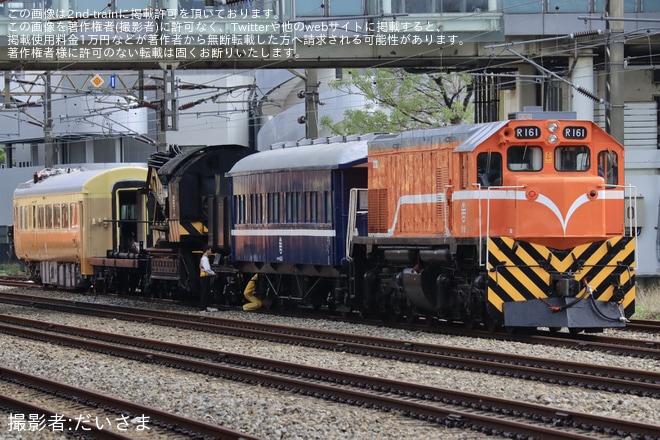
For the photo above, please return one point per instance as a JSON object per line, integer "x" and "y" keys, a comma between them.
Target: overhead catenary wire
{"x": 575, "y": 35}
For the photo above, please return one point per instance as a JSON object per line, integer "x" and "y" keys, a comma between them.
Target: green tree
{"x": 2, "y": 155}
{"x": 397, "y": 100}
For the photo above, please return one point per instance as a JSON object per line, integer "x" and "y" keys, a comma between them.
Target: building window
{"x": 573, "y": 6}
{"x": 335, "y": 8}
{"x": 522, "y": 7}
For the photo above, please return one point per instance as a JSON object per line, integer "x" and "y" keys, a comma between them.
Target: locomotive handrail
{"x": 630, "y": 192}
{"x": 351, "y": 230}
{"x": 489, "y": 188}
{"x": 479, "y": 242}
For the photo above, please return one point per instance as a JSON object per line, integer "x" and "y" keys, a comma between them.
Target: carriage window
{"x": 56, "y": 216}
{"x": 273, "y": 208}
{"x": 49, "y": 216}
{"x": 40, "y": 216}
{"x": 287, "y": 206}
{"x": 240, "y": 208}
{"x": 74, "y": 215}
{"x": 524, "y": 158}
{"x": 313, "y": 210}
{"x": 65, "y": 216}
{"x": 296, "y": 207}
{"x": 260, "y": 209}
{"x": 608, "y": 167}
{"x": 572, "y": 158}
{"x": 322, "y": 207}
{"x": 328, "y": 207}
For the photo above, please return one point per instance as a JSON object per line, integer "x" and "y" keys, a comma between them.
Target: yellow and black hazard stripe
{"x": 521, "y": 271}
{"x": 179, "y": 229}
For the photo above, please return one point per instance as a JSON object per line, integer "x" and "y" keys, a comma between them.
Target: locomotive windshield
{"x": 572, "y": 158}
{"x": 525, "y": 158}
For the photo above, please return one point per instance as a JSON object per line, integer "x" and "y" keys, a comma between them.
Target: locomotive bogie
{"x": 62, "y": 274}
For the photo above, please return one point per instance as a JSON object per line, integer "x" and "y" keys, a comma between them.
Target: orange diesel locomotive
{"x": 517, "y": 223}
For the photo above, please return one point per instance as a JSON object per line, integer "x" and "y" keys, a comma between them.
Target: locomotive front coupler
{"x": 563, "y": 285}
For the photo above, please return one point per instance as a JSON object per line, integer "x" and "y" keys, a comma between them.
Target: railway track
{"x": 86, "y": 414}
{"x": 588, "y": 376}
{"x": 622, "y": 346}
{"x": 492, "y": 416}
{"x": 639, "y": 325}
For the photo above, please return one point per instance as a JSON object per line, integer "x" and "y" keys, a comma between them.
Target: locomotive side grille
{"x": 520, "y": 271}
{"x": 441, "y": 181}
{"x": 377, "y": 222}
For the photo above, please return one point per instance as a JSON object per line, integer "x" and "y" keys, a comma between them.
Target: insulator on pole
{"x": 585, "y": 34}
{"x": 589, "y": 95}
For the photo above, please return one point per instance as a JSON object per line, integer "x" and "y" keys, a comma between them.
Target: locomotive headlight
{"x": 552, "y": 127}
{"x": 552, "y": 139}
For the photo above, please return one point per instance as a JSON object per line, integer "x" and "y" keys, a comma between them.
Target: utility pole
{"x": 49, "y": 158}
{"x": 311, "y": 96}
{"x": 311, "y": 104}
{"x": 168, "y": 111}
{"x": 614, "y": 87}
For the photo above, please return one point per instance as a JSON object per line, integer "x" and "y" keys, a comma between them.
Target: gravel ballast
{"x": 274, "y": 414}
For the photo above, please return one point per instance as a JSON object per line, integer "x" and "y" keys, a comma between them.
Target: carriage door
{"x": 129, "y": 230}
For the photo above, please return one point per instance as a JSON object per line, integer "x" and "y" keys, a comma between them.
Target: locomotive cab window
{"x": 572, "y": 158}
{"x": 489, "y": 169}
{"x": 524, "y": 158}
{"x": 608, "y": 167}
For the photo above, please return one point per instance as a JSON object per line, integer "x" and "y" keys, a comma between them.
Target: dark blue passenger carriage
{"x": 290, "y": 206}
